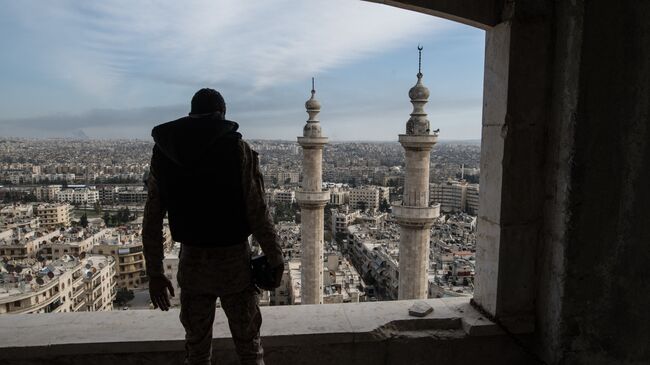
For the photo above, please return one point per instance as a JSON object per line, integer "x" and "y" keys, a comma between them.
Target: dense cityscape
{"x": 71, "y": 220}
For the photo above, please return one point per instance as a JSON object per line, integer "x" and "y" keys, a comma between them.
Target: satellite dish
{"x": 19, "y": 269}
{"x": 28, "y": 278}
{"x": 90, "y": 262}
{"x": 94, "y": 270}
{"x": 101, "y": 265}
{"x": 50, "y": 275}
{"x": 39, "y": 281}
{"x": 89, "y": 274}
{"x": 87, "y": 266}
{"x": 82, "y": 255}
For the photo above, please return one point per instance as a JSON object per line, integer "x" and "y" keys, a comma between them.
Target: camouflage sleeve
{"x": 152, "y": 225}
{"x": 259, "y": 218}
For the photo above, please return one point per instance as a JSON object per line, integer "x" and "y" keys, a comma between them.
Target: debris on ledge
{"x": 420, "y": 309}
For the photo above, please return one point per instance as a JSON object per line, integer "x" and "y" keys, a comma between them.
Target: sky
{"x": 117, "y": 68}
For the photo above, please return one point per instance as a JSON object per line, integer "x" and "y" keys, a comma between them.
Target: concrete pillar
{"x": 312, "y": 200}
{"x": 414, "y": 215}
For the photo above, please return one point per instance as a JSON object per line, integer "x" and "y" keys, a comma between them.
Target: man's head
{"x": 208, "y": 101}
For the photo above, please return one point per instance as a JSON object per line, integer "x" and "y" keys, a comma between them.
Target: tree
{"x": 107, "y": 218}
{"x": 83, "y": 221}
{"x": 123, "y": 296}
{"x": 97, "y": 208}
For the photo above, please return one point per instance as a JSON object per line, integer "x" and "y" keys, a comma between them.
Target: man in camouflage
{"x": 207, "y": 179}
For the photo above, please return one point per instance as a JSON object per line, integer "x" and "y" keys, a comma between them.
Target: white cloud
{"x": 257, "y": 43}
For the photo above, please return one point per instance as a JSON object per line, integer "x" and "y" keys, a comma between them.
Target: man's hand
{"x": 158, "y": 286}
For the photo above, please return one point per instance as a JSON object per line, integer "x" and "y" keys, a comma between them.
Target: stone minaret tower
{"x": 312, "y": 200}
{"x": 415, "y": 217}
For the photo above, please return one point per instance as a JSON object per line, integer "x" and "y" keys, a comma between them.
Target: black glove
{"x": 158, "y": 287}
{"x": 264, "y": 276}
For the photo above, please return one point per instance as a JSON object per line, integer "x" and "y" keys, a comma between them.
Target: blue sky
{"x": 116, "y": 68}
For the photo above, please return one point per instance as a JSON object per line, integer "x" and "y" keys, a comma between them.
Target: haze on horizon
{"x": 113, "y": 70}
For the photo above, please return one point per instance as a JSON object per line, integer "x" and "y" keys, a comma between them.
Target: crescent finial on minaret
{"x": 420, "y": 48}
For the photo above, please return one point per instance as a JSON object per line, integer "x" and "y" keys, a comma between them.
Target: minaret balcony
{"x": 316, "y": 198}
{"x": 425, "y": 141}
{"x": 313, "y": 142}
{"x": 416, "y": 216}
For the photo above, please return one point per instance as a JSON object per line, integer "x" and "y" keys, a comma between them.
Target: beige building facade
{"x": 54, "y": 215}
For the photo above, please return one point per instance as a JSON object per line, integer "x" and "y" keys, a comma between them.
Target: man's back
{"x": 208, "y": 181}
{"x": 198, "y": 162}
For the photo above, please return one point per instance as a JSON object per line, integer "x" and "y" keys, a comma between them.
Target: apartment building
{"x": 126, "y": 249}
{"x": 341, "y": 281}
{"x": 132, "y": 195}
{"x": 108, "y": 194}
{"x": 283, "y": 196}
{"x": 53, "y": 215}
{"x": 47, "y": 193}
{"x": 472, "y": 195}
{"x": 74, "y": 241}
{"x": 368, "y": 197}
{"x": 377, "y": 258}
{"x": 455, "y": 196}
{"x": 342, "y": 218}
{"x": 339, "y": 197}
{"x": 23, "y": 243}
{"x": 288, "y": 293}
{"x": 288, "y": 177}
{"x": 18, "y": 216}
{"x": 79, "y": 196}
{"x": 65, "y": 285}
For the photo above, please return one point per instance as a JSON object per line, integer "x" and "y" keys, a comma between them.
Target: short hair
{"x": 207, "y": 101}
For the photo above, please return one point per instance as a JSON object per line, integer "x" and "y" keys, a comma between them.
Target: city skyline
{"x": 86, "y": 70}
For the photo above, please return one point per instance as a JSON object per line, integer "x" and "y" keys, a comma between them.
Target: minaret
{"x": 312, "y": 200}
{"x": 415, "y": 217}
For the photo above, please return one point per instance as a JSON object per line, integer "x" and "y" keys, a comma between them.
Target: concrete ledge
{"x": 32, "y": 338}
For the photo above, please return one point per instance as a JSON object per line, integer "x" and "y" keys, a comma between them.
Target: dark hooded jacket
{"x": 208, "y": 181}
{"x": 198, "y": 166}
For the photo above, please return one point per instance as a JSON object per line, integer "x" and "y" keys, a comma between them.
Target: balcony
{"x": 79, "y": 305}
{"x": 38, "y": 306}
{"x": 355, "y": 333}
{"x": 78, "y": 291}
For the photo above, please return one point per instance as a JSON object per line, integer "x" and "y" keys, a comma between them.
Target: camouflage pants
{"x": 205, "y": 274}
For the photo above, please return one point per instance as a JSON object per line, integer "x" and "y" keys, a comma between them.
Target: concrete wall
{"x": 346, "y": 334}
{"x": 597, "y": 247}
{"x": 564, "y": 229}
